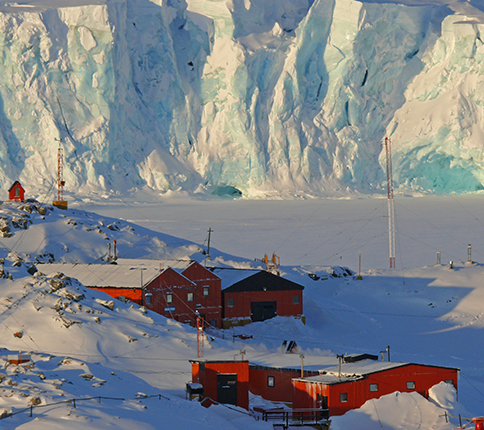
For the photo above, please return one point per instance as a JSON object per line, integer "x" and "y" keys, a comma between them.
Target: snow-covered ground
{"x": 426, "y": 314}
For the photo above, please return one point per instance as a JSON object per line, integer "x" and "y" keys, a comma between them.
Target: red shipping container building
{"x": 223, "y": 381}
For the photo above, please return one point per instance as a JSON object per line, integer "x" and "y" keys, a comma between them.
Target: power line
{"x": 342, "y": 231}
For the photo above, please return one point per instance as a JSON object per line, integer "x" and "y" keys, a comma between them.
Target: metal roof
{"x": 103, "y": 275}
{"x": 263, "y": 281}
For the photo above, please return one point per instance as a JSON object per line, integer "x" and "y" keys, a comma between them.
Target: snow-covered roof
{"x": 230, "y": 276}
{"x": 154, "y": 264}
{"x": 104, "y": 275}
{"x": 355, "y": 371}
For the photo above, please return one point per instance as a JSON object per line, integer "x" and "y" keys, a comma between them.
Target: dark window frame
{"x": 410, "y": 385}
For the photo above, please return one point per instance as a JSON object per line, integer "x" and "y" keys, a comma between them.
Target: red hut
{"x": 16, "y": 192}
{"x": 259, "y": 297}
{"x": 361, "y": 381}
{"x": 223, "y": 381}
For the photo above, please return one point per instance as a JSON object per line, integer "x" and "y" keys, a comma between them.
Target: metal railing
{"x": 297, "y": 416}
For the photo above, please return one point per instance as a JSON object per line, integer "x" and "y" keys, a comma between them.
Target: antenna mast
{"x": 391, "y": 205}
{"x": 60, "y": 202}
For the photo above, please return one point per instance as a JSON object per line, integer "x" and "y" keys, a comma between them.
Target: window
{"x": 373, "y": 387}
{"x": 295, "y": 300}
{"x": 230, "y": 303}
{"x": 17, "y": 192}
{"x": 319, "y": 397}
{"x": 271, "y": 381}
{"x": 449, "y": 381}
{"x": 213, "y": 323}
{"x": 148, "y": 299}
{"x": 190, "y": 297}
{"x": 205, "y": 291}
{"x": 169, "y": 298}
{"x": 343, "y": 397}
{"x": 410, "y": 385}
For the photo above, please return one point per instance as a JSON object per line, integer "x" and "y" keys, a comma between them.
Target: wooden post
{"x": 359, "y": 278}
{"x": 339, "y": 365}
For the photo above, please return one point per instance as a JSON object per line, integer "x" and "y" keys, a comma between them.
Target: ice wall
{"x": 268, "y": 97}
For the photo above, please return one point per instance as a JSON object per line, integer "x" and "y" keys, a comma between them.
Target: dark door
{"x": 227, "y": 389}
{"x": 324, "y": 408}
{"x": 261, "y": 311}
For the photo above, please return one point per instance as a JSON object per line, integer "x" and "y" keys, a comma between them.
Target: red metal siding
{"x": 207, "y": 376}
{"x": 171, "y": 282}
{"x": 284, "y": 299}
{"x": 209, "y": 306}
{"x": 282, "y": 391}
{"x": 132, "y": 294}
{"x": 389, "y": 381}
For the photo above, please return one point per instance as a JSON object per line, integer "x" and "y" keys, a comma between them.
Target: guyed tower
{"x": 60, "y": 202}
{"x": 391, "y": 204}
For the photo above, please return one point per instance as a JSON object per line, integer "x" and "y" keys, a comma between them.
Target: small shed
{"x": 16, "y": 192}
{"x": 259, "y": 297}
{"x": 223, "y": 381}
{"x": 361, "y": 381}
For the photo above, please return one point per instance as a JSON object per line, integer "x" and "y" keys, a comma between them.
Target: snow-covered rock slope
{"x": 251, "y": 95}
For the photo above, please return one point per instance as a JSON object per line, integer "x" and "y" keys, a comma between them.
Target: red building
{"x": 167, "y": 292}
{"x": 16, "y": 192}
{"x": 223, "y": 381}
{"x": 208, "y": 293}
{"x": 259, "y": 297}
{"x": 365, "y": 380}
{"x": 172, "y": 295}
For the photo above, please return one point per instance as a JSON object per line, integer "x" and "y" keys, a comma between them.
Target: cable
{"x": 437, "y": 228}
{"x": 340, "y": 232}
{"x": 299, "y": 226}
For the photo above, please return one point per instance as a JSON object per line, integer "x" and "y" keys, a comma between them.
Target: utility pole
{"x": 210, "y": 231}
{"x": 302, "y": 365}
{"x": 200, "y": 337}
{"x": 391, "y": 205}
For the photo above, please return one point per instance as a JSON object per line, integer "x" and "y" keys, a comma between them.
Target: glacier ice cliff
{"x": 265, "y": 97}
